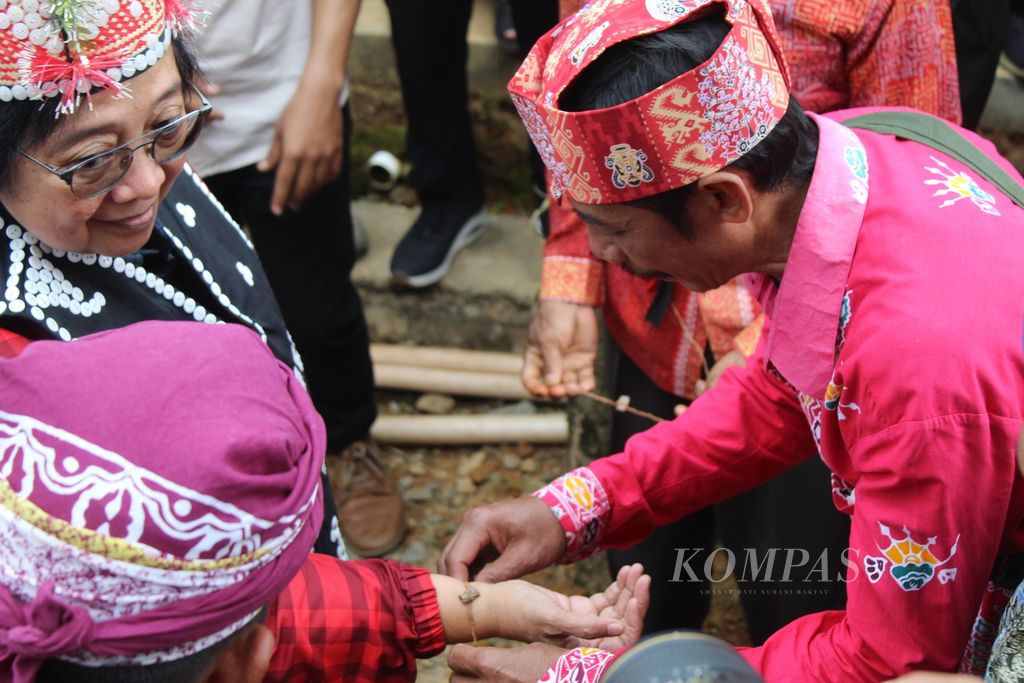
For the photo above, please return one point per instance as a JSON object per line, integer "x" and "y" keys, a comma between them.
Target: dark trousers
{"x": 532, "y": 19}
{"x": 308, "y": 257}
{"x": 429, "y": 37}
{"x": 792, "y": 513}
{"x": 980, "y": 31}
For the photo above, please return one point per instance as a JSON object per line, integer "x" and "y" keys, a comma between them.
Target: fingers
{"x": 465, "y": 663}
{"x": 533, "y": 371}
{"x": 551, "y": 357}
{"x": 462, "y": 550}
{"x": 586, "y": 627}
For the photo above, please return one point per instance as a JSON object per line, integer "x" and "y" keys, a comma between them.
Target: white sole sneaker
{"x": 470, "y": 232}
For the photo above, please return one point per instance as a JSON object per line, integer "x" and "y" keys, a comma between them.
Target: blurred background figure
{"x": 429, "y": 38}
{"x": 279, "y": 162}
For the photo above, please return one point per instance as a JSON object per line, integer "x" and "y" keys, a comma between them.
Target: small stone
{"x": 529, "y": 466}
{"x": 511, "y": 462}
{"x": 417, "y": 468}
{"x": 406, "y": 482}
{"x": 435, "y": 404}
{"x": 524, "y": 449}
{"x": 480, "y": 473}
{"x": 472, "y": 462}
{"x": 517, "y": 408}
{"x": 465, "y": 485}
{"x": 415, "y": 553}
{"x": 421, "y": 494}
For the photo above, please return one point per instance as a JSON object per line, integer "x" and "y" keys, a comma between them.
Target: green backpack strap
{"x": 939, "y": 135}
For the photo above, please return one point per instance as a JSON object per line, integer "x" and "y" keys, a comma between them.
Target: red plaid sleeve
{"x": 11, "y": 344}
{"x": 354, "y": 621}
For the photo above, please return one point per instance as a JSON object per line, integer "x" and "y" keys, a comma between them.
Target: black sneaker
{"x": 426, "y": 252}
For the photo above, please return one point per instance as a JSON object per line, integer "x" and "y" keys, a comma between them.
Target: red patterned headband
{"x": 68, "y": 48}
{"x": 670, "y": 137}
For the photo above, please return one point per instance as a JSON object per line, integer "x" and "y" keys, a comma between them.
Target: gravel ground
{"x": 439, "y": 484}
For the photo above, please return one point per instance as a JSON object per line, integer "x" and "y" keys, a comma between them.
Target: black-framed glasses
{"x": 102, "y": 172}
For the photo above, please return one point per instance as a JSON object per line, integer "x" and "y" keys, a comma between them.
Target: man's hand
{"x": 306, "y": 149}
{"x": 608, "y": 620}
{"x": 524, "y": 664}
{"x": 733, "y": 359}
{"x": 519, "y": 535}
{"x": 561, "y": 347}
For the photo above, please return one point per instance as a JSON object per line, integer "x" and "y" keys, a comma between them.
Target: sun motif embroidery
{"x": 960, "y": 186}
{"x": 911, "y": 565}
{"x": 628, "y": 167}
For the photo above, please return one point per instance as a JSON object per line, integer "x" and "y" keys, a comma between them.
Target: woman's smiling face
{"x": 117, "y": 222}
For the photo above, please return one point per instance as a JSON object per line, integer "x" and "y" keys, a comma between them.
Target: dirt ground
{"x": 439, "y": 484}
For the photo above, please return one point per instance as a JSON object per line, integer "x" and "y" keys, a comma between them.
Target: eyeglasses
{"x": 102, "y": 172}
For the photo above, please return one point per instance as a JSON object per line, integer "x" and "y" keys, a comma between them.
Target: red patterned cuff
{"x": 582, "y": 665}
{"x": 579, "y": 502}
{"x": 573, "y": 279}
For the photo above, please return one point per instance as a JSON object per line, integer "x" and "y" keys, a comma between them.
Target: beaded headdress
{"x": 69, "y": 48}
{"x": 674, "y": 135}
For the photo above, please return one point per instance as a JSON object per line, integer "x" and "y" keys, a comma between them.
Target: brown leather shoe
{"x": 370, "y": 510}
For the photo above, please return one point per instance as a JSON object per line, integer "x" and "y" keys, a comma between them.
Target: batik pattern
{"x": 582, "y": 665}
{"x": 668, "y": 137}
{"x": 579, "y": 502}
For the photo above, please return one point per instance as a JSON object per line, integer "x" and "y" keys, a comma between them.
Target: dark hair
{"x": 185, "y": 670}
{"x": 26, "y": 123}
{"x": 624, "y": 72}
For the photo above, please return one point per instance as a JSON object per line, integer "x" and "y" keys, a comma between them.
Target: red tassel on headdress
{"x": 40, "y": 68}
{"x": 183, "y": 15}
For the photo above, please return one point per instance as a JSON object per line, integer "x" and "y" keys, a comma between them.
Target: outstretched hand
{"x": 608, "y": 620}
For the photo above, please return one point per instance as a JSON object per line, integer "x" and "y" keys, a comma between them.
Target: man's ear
{"x": 727, "y": 194}
{"x": 246, "y": 659}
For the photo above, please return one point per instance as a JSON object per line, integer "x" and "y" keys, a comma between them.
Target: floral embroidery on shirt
{"x": 857, "y": 161}
{"x": 834, "y": 403}
{"x": 960, "y": 186}
{"x": 845, "y": 313}
{"x": 582, "y": 665}
{"x": 580, "y": 503}
{"x": 844, "y": 496}
{"x": 911, "y": 565}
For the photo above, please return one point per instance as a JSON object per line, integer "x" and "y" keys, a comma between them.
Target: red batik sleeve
{"x": 355, "y": 621}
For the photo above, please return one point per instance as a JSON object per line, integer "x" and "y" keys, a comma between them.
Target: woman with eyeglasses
{"x": 102, "y": 223}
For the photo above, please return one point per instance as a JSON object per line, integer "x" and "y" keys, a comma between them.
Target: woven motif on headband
{"x": 68, "y": 48}
{"x": 670, "y": 137}
{"x": 89, "y": 521}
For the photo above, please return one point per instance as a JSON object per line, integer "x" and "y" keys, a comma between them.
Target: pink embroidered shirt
{"x": 896, "y": 337}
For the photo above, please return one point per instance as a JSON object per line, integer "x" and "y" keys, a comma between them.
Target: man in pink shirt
{"x": 890, "y": 271}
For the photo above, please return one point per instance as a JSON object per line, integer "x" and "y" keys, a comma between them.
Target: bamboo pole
{"x": 547, "y": 428}
{"x": 447, "y": 358}
{"x": 443, "y": 381}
